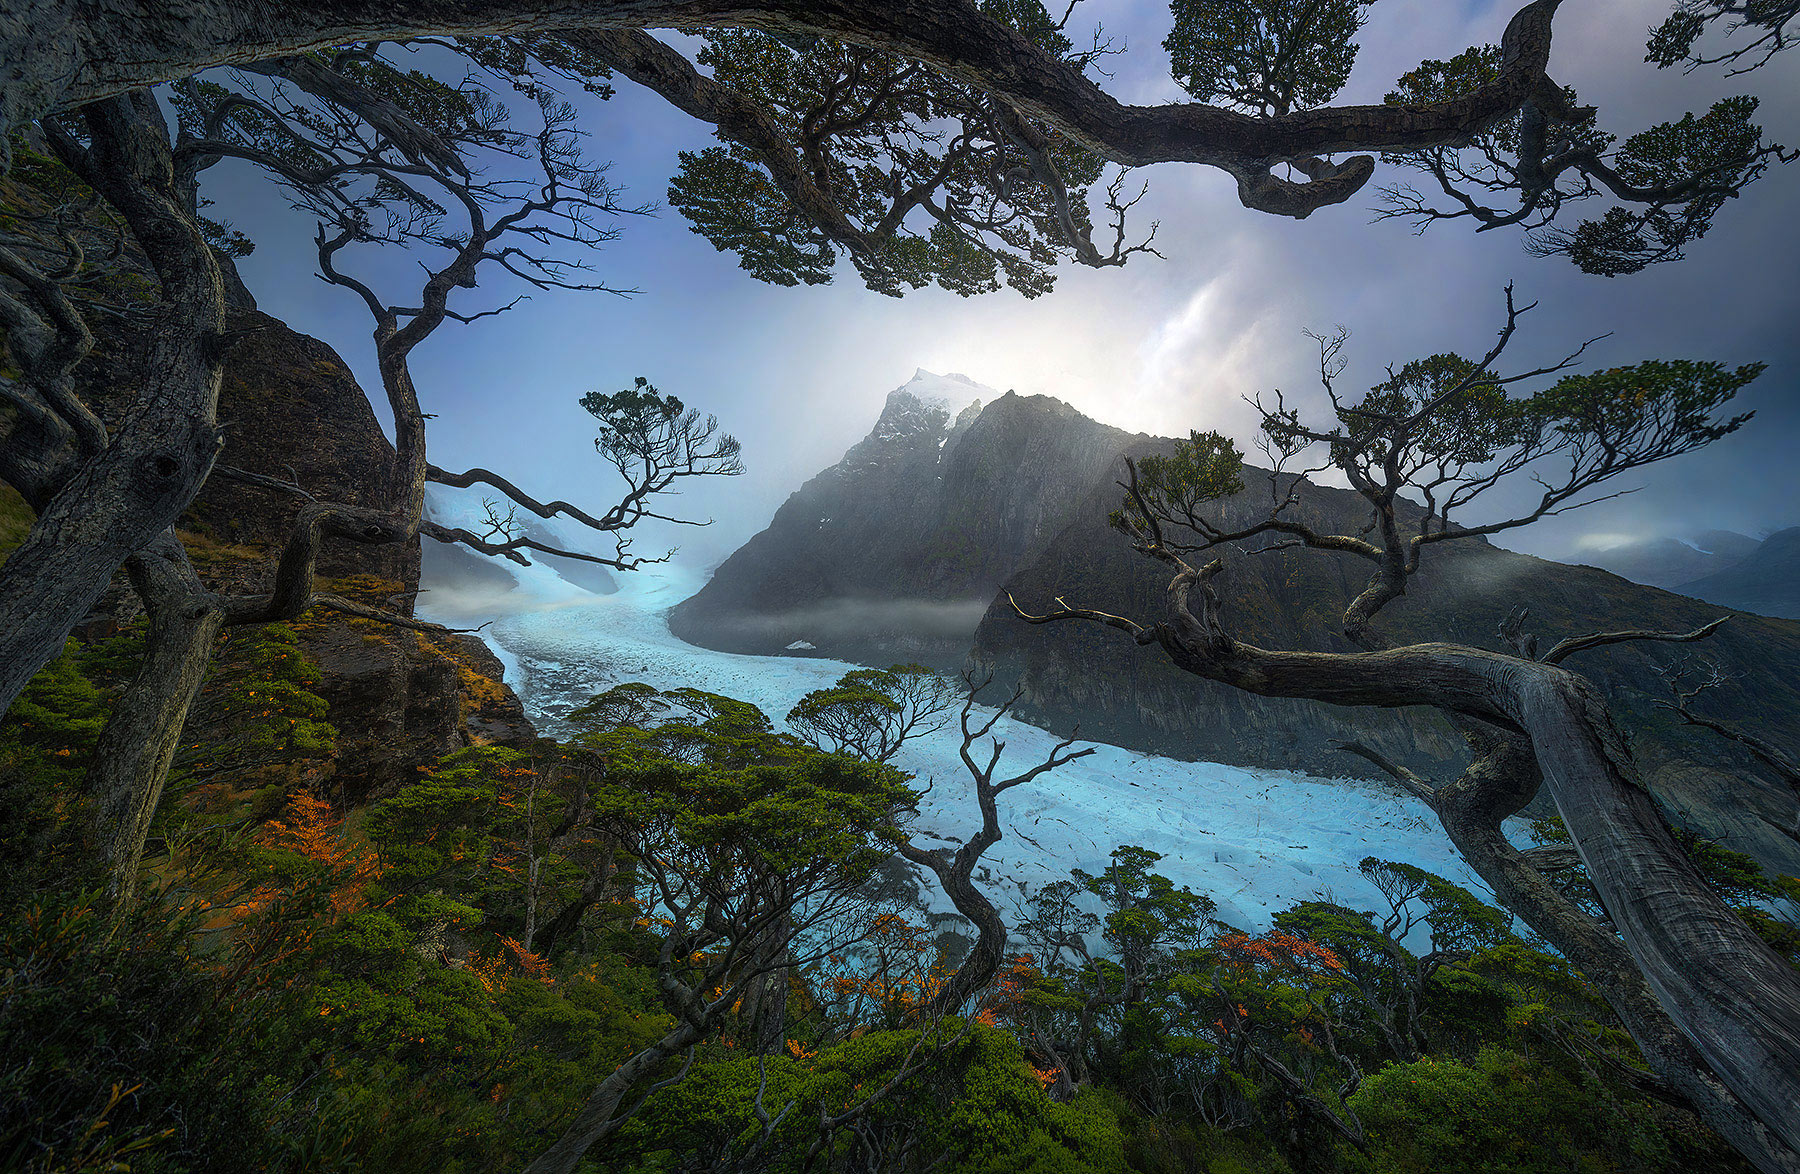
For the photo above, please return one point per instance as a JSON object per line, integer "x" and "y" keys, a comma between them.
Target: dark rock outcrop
{"x": 399, "y": 699}
{"x": 291, "y": 409}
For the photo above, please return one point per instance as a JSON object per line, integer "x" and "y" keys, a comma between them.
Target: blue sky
{"x": 1159, "y": 346}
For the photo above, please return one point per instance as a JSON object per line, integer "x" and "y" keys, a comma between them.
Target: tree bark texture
{"x": 989, "y": 949}
{"x": 141, "y": 736}
{"x": 1472, "y": 809}
{"x": 161, "y": 451}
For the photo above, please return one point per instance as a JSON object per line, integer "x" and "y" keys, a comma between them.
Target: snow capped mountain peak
{"x": 950, "y": 391}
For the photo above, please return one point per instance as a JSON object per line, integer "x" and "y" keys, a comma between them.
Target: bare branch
{"x": 1573, "y": 644}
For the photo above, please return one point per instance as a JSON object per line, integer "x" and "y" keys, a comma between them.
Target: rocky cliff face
{"x": 399, "y": 699}
{"x": 292, "y": 410}
{"x": 894, "y": 552}
{"x": 883, "y": 556}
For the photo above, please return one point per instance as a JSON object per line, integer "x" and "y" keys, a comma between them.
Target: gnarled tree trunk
{"x": 163, "y": 448}
{"x": 61, "y": 53}
{"x": 1497, "y": 785}
{"x": 131, "y": 760}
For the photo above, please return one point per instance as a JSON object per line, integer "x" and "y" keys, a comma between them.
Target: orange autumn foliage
{"x": 309, "y": 828}
{"x": 1276, "y": 950}
{"x": 531, "y": 965}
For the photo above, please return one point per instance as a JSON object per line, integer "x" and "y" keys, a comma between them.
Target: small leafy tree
{"x": 1146, "y": 927}
{"x": 751, "y": 851}
{"x": 871, "y": 713}
{"x": 1392, "y": 981}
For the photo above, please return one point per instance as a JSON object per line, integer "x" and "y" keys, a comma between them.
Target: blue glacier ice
{"x": 1254, "y": 840}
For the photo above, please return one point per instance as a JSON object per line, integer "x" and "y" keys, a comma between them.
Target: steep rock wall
{"x": 292, "y": 410}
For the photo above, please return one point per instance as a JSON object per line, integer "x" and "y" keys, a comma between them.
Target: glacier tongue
{"x": 1253, "y": 840}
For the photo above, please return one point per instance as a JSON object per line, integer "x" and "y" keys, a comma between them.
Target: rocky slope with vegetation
{"x": 390, "y": 930}
{"x": 396, "y": 699}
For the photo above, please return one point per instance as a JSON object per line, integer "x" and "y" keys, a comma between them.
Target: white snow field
{"x": 1253, "y": 840}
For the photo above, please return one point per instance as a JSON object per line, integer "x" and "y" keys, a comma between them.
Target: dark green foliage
{"x": 1448, "y": 430}
{"x": 973, "y": 1102}
{"x": 653, "y": 440}
{"x": 1265, "y": 56}
{"x": 45, "y": 743}
{"x": 1759, "y": 26}
{"x": 870, "y": 713}
{"x": 1145, "y": 916}
{"x": 384, "y": 991}
{"x": 1715, "y": 153}
{"x": 265, "y": 680}
{"x": 737, "y": 207}
{"x": 1455, "y": 917}
{"x": 1436, "y": 81}
{"x": 1671, "y": 178}
{"x": 1475, "y": 420}
{"x": 119, "y": 1045}
{"x": 51, "y": 728}
{"x": 1501, "y": 1113}
{"x": 362, "y": 993}
{"x": 255, "y": 738}
{"x": 1203, "y": 468}
{"x": 816, "y": 811}
{"x": 630, "y": 704}
{"x": 909, "y": 160}
{"x": 444, "y": 829}
{"x": 1646, "y": 409}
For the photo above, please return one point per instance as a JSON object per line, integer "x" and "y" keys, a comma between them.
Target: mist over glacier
{"x": 1254, "y": 840}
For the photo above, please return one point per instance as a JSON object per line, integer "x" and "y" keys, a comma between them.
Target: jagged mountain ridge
{"x": 930, "y": 510}
{"x": 896, "y": 530}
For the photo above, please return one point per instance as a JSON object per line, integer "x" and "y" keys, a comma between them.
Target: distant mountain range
{"x": 902, "y": 551}
{"x": 1719, "y": 566}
